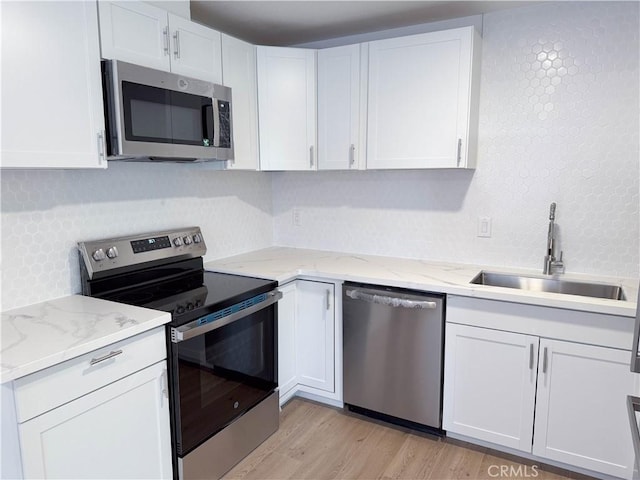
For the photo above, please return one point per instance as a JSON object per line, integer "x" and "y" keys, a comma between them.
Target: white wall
{"x": 45, "y": 213}
{"x": 569, "y": 136}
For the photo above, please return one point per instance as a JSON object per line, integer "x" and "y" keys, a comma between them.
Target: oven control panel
{"x": 122, "y": 252}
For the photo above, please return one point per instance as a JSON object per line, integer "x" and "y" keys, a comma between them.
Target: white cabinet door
{"x": 287, "y": 379}
{"x": 581, "y": 415}
{"x": 489, "y": 387}
{"x": 146, "y": 35}
{"x": 423, "y": 100}
{"x": 195, "y": 50}
{"x": 135, "y": 32}
{"x": 51, "y": 86}
{"x": 239, "y": 73}
{"x": 118, "y": 431}
{"x": 287, "y": 108}
{"x": 339, "y": 108}
{"x": 315, "y": 325}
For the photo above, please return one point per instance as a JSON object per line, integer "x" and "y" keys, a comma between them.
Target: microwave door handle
{"x": 206, "y": 131}
{"x": 216, "y": 123}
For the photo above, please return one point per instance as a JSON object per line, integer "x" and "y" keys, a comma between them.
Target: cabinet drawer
{"x": 42, "y": 391}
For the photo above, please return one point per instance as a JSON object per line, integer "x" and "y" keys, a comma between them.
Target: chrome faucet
{"x": 551, "y": 263}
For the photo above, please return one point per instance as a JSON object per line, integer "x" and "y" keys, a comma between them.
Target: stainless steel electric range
{"x": 221, "y": 342}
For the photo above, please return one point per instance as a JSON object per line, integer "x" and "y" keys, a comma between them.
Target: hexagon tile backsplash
{"x": 45, "y": 213}
{"x": 559, "y": 121}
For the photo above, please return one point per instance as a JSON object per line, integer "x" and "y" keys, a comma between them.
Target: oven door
{"x": 222, "y": 366}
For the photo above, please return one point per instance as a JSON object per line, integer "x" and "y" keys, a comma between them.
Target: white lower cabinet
{"x": 118, "y": 431}
{"x": 287, "y": 379}
{"x": 581, "y": 416}
{"x": 104, "y": 414}
{"x": 307, "y": 340}
{"x": 497, "y": 382}
{"x": 315, "y": 326}
{"x": 490, "y": 384}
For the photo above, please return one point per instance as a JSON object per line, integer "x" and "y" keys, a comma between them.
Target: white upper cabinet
{"x": 287, "y": 108}
{"x": 196, "y": 50}
{"x": 422, "y": 100}
{"x": 239, "y": 73}
{"x": 135, "y": 32}
{"x": 52, "y": 111}
{"x": 146, "y": 35}
{"x": 339, "y": 81}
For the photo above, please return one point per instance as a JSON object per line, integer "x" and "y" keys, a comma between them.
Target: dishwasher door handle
{"x": 390, "y": 301}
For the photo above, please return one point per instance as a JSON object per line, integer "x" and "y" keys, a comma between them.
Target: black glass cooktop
{"x": 194, "y": 295}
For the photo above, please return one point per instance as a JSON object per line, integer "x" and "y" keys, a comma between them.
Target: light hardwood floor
{"x": 319, "y": 442}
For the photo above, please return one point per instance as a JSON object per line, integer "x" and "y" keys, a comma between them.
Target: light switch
{"x": 296, "y": 217}
{"x": 484, "y": 226}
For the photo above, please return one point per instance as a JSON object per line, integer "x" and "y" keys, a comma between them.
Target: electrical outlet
{"x": 484, "y": 227}
{"x": 296, "y": 217}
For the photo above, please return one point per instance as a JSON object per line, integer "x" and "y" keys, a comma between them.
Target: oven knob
{"x": 197, "y": 238}
{"x": 179, "y": 309}
{"x": 98, "y": 255}
{"x": 198, "y": 303}
{"x": 189, "y": 306}
{"x": 177, "y": 242}
{"x": 112, "y": 252}
{"x": 187, "y": 240}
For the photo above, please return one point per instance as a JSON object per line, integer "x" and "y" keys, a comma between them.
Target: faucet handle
{"x": 557, "y": 266}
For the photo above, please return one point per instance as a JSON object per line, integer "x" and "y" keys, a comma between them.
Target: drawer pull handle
{"x": 109, "y": 355}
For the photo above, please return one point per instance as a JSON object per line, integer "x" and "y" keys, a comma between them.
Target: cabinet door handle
{"x": 311, "y": 156}
{"x": 165, "y": 34}
{"x": 176, "y": 44}
{"x": 109, "y": 355}
{"x": 352, "y": 155}
{"x": 544, "y": 361}
{"x": 531, "y": 356}
{"x": 328, "y": 299}
{"x": 101, "y": 146}
{"x": 164, "y": 383}
{"x": 459, "y": 155}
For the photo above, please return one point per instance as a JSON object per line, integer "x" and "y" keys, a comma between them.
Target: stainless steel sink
{"x": 536, "y": 284}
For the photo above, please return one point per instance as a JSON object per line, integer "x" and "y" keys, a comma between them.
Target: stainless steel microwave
{"x": 156, "y": 115}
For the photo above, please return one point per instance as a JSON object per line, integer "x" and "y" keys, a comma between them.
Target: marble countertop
{"x": 284, "y": 264}
{"x": 45, "y": 334}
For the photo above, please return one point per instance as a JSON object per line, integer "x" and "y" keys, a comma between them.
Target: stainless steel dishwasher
{"x": 393, "y": 346}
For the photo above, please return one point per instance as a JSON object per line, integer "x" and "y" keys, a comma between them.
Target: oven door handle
{"x": 195, "y": 328}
